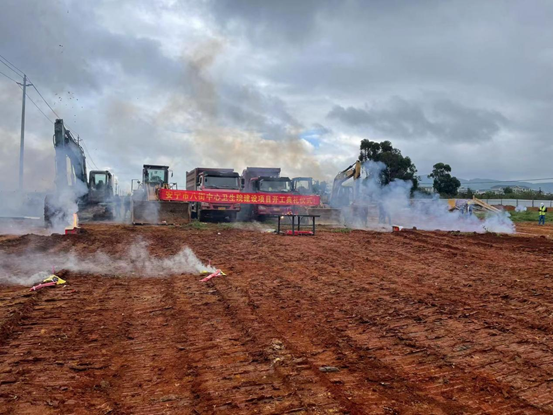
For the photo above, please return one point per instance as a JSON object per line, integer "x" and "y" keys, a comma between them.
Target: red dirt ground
{"x": 413, "y": 323}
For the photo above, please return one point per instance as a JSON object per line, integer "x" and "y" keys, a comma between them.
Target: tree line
{"x": 400, "y": 167}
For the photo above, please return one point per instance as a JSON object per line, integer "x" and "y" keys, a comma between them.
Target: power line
{"x": 46, "y": 102}
{"x": 10, "y": 78}
{"x": 11, "y": 66}
{"x": 19, "y": 72}
{"x": 89, "y": 156}
{"x": 38, "y": 108}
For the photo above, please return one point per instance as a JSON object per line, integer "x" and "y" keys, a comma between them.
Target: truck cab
{"x": 265, "y": 180}
{"x": 214, "y": 180}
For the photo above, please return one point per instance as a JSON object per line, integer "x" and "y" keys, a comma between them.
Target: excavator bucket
{"x": 328, "y": 216}
{"x": 152, "y": 212}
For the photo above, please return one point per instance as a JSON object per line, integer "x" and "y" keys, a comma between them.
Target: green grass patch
{"x": 531, "y": 216}
{"x": 339, "y": 230}
{"x": 196, "y": 224}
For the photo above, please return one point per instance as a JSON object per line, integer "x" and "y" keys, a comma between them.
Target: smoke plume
{"x": 30, "y": 268}
{"x": 393, "y": 204}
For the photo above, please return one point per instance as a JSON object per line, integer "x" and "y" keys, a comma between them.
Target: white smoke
{"x": 30, "y": 268}
{"x": 63, "y": 205}
{"x": 393, "y": 204}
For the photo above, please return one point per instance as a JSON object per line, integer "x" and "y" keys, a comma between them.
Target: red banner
{"x": 234, "y": 197}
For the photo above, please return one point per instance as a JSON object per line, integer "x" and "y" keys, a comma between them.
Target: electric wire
{"x": 10, "y": 78}
{"x": 19, "y": 72}
{"x": 89, "y": 156}
{"x": 46, "y": 102}
{"x": 11, "y": 65}
{"x": 38, "y": 108}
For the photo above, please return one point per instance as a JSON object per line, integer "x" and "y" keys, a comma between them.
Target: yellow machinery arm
{"x": 352, "y": 171}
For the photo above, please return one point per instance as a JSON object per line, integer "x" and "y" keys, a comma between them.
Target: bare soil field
{"x": 341, "y": 323}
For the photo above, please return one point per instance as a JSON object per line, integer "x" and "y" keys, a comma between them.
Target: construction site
{"x": 352, "y": 322}
{"x": 277, "y": 208}
{"x": 253, "y": 294}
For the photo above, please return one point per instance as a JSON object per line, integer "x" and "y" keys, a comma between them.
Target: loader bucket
{"x": 153, "y": 212}
{"x": 328, "y": 216}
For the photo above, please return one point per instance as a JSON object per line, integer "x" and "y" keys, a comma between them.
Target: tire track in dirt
{"x": 15, "y": 309}
{"x": 345, "y": 284}
{"x": 363, "y": 381}
{"x": 237, "y": 372}
{"x": 501, "y": 289}
{"x": 50, "y": 340}
{"x": 148, "y": 378}
{"x": 393, "y": 347}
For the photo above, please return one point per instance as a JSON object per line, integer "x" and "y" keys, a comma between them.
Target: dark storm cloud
{"x": 270, "y": 21}
{"x": 356, "y": 46}
{"x": 62, "y": 45}
{"x": 156, "y": 80}
{"x": 443, "y": 119}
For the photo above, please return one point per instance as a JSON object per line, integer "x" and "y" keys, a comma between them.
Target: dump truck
{"x": 264, "y": 180}
{"x": 214, "y": 180}
{"x": 146, "y": 206}
{"x": 90, "y": 197}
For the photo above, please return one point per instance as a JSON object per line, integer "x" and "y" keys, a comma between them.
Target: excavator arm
{"x": 338, "y": 191}
{"x": 70, "y": 159}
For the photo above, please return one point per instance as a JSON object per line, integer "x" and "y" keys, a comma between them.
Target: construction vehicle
{"x": 92, "y": 199}
{"x": 148, "y": 208}
{"x": 345, "y": 195}
{"x": 302, "y": 186}
{"x": 341, "y": 198}
{"x": 466, "y": 205}
{"x": 214, "y": 180}
{"x": 265, "y": 180}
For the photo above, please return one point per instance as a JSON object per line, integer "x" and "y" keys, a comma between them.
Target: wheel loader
{"x": 146, "y": 206}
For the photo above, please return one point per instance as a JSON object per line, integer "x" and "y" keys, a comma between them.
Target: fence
{"x": 519, "y": 202}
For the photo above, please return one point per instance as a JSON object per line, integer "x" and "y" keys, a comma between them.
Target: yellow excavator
{"x": 340, "y": 197}
{"x": 465, "y": 205}
{"x": 344, "y": 195}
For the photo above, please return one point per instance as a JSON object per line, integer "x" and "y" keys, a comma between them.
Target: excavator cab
{"x": 100, "y": 186}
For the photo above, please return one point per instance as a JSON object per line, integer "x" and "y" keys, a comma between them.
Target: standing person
{"x": 543, "y": 209}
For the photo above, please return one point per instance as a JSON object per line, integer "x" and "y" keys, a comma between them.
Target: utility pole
{"x": 22, "y": 144}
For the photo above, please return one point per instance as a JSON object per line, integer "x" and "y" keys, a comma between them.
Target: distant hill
{"x": 483, "y": 184}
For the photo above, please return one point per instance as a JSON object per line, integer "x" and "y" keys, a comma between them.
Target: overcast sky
{"x": 294, "y": 84}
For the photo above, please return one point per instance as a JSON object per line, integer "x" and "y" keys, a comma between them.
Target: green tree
{"x": 507, "y": 190}
{"x": 397, "y": 165}
{"x": 444, "y": 183}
